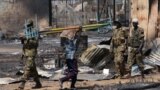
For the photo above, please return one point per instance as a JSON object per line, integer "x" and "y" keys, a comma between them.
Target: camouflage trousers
{"x": 30, "y": 69}
{"x": 119, "y": 63}
{"x": 134, "y": 58}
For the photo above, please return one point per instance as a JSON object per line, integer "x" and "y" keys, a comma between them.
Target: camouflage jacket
{"x": 136, "y": 39}
{"x": 30, "y": 47}
{"x": 118, "y": 42}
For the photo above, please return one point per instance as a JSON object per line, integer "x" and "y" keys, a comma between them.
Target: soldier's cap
{"x": 135, "y": 20}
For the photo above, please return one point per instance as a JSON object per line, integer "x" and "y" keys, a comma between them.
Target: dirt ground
{"x": 82, "y": 85}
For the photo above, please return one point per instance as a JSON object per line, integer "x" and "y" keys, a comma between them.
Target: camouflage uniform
{"x": 118, "y": 47}
{"x": 135, "y": 52}
{"x": 29, "y": 52}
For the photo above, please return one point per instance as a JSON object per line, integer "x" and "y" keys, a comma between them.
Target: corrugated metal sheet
{"x": 95, "y": 56}
{"x": 153, "y": 58}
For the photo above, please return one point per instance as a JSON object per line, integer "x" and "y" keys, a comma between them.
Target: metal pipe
{"x": 82, "y": 13}
{"x": 125, "y": 12}
{"x": 114, "y": 10}
{"x": 98, "y": 13}
{"x": 66, "y": 14}
{"x": 50, "y": 12}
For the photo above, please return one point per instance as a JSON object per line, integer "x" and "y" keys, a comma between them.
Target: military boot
{"x": 22, "y": 84}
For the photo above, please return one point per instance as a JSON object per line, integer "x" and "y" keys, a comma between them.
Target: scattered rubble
{"x": 130, "y": 86}
{"x": 135, "y": 70}
{"x": 154, "y": 56}
{"x": 49, "y": 54}
{"x": 7, "y": 80}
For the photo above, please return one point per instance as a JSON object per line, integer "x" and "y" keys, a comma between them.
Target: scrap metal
{"x": 95, "y": 56}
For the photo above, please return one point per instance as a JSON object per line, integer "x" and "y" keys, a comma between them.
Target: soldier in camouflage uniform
{"x": 117, "y": 48}
{"x": 30, "y": 46}
{"x": 135, "y": 44}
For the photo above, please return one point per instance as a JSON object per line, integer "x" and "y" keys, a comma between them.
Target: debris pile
{"x": 154, "y": 57}
{"x": 130, "y": 86}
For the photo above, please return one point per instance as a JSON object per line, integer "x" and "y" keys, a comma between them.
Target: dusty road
{"x": 54, "y": 85}
{"x": 82, "y": 85}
